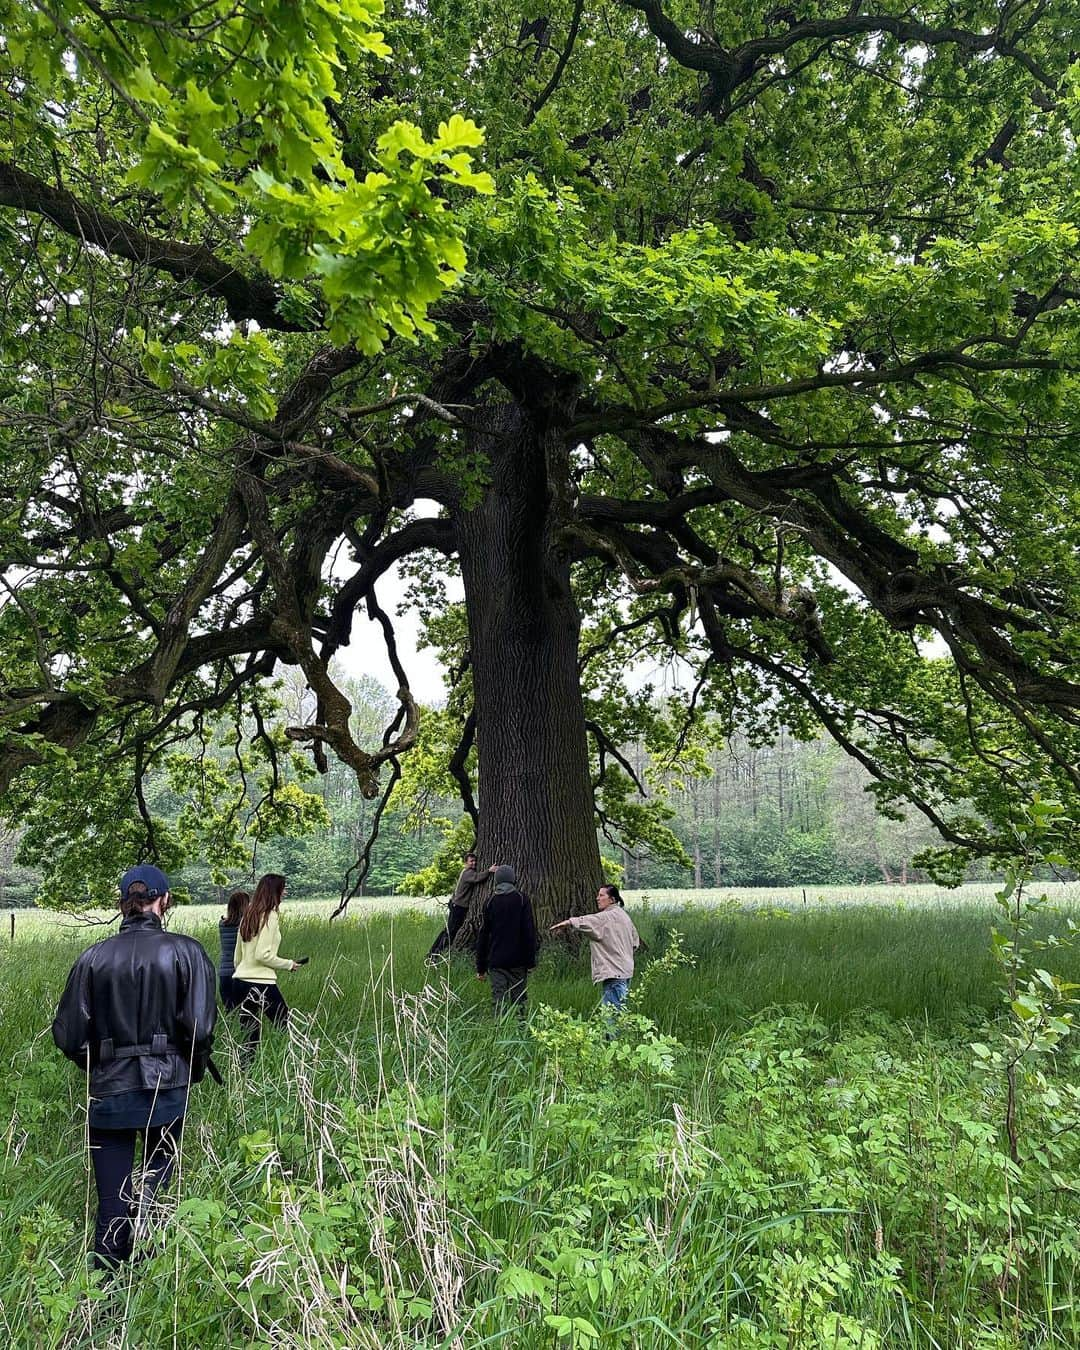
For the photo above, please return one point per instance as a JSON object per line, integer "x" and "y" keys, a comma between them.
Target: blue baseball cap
{"x": 153, "y": 878}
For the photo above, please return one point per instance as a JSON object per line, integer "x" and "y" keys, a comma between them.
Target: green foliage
{"x": 1039, "y": 1003}
{"x": 440, "y": 876}
{"x": 638, "y": 824}
{"x": 767, "y": 337}
{"x": 427, "y": 787}
{"x": 243, "y": 365}
{"x": 673, "y": 957}
{"x": 255, "y": 140}
{"x": 402, "y": 1170}
{"x": 215, "y": 803}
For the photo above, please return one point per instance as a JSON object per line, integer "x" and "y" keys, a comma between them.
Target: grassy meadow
{"x": 788, "y": 1143}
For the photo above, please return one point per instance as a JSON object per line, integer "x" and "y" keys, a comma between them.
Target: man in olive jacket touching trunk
{"x": 458, "y": 908}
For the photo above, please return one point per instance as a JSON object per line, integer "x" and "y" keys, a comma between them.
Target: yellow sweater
{"x": 256, "y": 958}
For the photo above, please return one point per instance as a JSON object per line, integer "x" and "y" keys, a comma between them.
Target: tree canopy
{"x": 744, "y": 333}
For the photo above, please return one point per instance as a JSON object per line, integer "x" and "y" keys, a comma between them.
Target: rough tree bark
{"x": 535, "y": 793}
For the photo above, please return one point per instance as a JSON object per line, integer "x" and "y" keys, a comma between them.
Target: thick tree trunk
{"x": 535, "y": 793}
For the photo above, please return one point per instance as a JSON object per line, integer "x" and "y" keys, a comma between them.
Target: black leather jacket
{"x": 139, "y": 1010}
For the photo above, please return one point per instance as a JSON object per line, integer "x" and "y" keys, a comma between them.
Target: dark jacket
{"x": 508, "y": 934}
{"x": 227, "y": 933}
{"x": 139, "y": 1008}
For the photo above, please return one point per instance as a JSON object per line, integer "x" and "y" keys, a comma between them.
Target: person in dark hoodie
{"x": 506, "y": 946}
{"x": 138, "y": 1016}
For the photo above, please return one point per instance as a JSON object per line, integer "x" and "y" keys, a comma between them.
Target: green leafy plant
{"x": 1039, "y": 1003}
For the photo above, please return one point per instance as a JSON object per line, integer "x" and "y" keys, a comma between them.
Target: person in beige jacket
{"x": 614, "y": 939}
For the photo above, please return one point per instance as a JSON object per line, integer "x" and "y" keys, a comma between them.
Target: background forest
{"x": 728, "y": 812}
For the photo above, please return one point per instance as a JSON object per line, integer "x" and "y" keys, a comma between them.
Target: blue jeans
{"x": 614, "y": 993}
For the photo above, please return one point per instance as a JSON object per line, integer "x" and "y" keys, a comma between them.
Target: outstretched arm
{"x": 583, "y": 923}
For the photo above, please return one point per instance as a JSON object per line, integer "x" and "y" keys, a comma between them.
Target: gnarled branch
{"x": 245, "y": 297}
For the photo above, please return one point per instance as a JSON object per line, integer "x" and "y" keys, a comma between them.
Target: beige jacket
{"x": 614, "y": 940}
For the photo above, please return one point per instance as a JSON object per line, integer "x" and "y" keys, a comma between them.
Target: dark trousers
{"x": 257, "y": 1001}
{"x": 113, "y": 1156}
{"x": 508, "y": 988}
{"x": 227, "y": 989}
{"x": 445, "y": 940}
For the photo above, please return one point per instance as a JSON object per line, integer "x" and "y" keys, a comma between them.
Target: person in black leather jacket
{"x": 138, "y": 1015}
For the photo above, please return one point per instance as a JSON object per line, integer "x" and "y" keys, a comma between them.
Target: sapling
{"x": 1037, "y": 1001}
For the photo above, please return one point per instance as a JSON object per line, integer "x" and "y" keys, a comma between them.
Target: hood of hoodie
{"x": 505, "y": 880}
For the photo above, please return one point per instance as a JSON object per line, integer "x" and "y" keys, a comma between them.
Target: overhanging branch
{"x": 245, "y": 297}
{"x": 728, "y": 68}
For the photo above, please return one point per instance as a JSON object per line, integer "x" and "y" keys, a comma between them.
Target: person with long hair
{"x": 613, "y": 939}
{"x": 228, "y": 927}
{"x": 255, "y": 977}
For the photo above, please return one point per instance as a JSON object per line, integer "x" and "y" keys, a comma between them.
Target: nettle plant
{"x": 1039, "y": 1003}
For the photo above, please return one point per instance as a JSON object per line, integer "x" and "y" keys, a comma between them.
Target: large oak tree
{"x": 763, "y": 355}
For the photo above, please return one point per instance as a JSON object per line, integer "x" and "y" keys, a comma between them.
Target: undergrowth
{"x": 734, "y": 1165}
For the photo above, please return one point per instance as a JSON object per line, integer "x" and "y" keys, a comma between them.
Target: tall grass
{"x": 810, "y": 1160}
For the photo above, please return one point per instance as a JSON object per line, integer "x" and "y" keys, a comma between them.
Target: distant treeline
{"x": 787, "y": 814}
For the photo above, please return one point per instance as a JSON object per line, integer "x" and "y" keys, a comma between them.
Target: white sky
{"x": 366, "y": 654}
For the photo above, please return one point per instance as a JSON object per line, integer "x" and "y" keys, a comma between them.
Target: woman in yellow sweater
{"x": 257, "y": 960}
